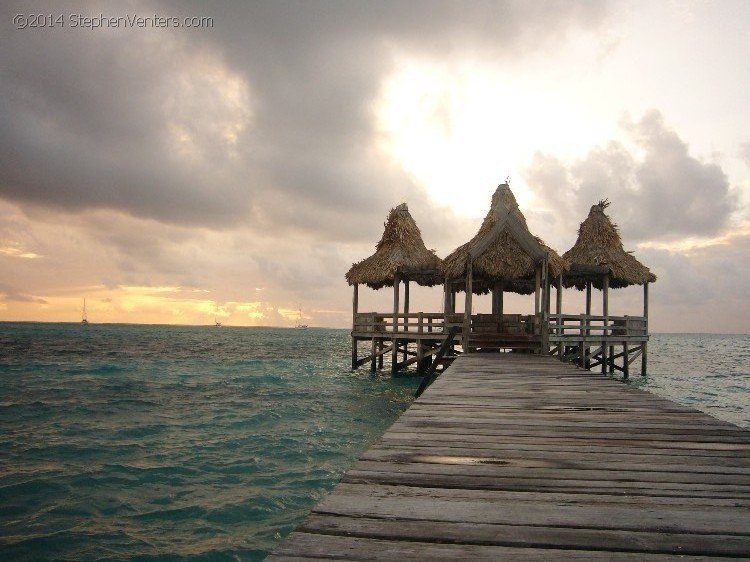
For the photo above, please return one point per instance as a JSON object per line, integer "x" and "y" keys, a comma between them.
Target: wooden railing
{"x": 560, "y": 326}
{"x": 411, "y": 323}
{"x": 512, "y": 324}
{"x": 437, "y": 323}
{"x": 580, "y": 326}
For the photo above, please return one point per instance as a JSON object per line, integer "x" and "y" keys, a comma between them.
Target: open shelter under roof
{"x": 598, "y": 259}
{"x": 502, "y": 256}
{"x": 400, "y": 256}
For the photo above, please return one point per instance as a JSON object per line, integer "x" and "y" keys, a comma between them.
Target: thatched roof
{"x": 400, "y": 250}
{"x": 598, "y": 251}
{"x": 503, "y": 250}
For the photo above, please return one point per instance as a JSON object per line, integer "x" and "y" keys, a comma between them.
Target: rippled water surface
{"x": 156, "y": 442}
{"x": 200, "y": 443}
{"x": 709, "y": 372}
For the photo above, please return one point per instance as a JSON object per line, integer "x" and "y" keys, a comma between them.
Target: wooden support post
{"x": 625, "y": 362}
{"x": 396, "y": 290}
{"x": 355, "y": 307}
{"x": 406, "y": 297}
{"x": 582, "y": 353}
{"x": 494, "y": 299}
{"x": 537, "y": 290}
{"x": 447, "y": 294}
{"x": 608, "y": 351}
{"x": 645, "y": 315}
{"x": 558, "y": 311}
{"x": 449, "y": 308}
{"x": 394, "y": 351}
{"x": 501, "y": 300}
{"x": 467, "y": 306}
{"x": 545, "y": 304}
{"x": 406, "y": 317}
{"x": 381, "y": 345}
{"x": 373, "y": 353}
{"x": 588, "y": 305}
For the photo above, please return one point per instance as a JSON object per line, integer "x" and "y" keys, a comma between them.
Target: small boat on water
{"x": 217, "y": 323}
{"x": 84, "y": 316}
{"x": 299, "y": 324}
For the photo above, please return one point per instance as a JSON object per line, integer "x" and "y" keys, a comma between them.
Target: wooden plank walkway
{"x": 521, "y": 457}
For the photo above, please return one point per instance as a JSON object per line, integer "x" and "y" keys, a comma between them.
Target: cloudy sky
{"x": 238, "y": 167}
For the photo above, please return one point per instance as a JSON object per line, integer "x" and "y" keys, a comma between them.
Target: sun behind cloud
{"x": 461, "y": 128}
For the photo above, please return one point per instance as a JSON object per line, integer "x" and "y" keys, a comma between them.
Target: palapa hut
{"x": 598, "y": 259}
{"x": 502, "y": 256}
{"x": 400, "y": 256}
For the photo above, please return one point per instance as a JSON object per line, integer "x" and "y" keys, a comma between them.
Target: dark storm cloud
{"x": 91, "y": 117}
{"x": 663, "y": 193}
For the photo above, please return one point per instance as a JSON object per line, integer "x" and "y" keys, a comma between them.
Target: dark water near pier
{"x": 199, "y": 443}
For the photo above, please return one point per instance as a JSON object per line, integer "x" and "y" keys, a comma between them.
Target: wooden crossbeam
{"x": 371, "y": 356}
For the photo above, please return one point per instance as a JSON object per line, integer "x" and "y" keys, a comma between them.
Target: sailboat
{"x": 217, "y": 323}
{"x": 300, "y": 326}
{"x": 84, "y": 317}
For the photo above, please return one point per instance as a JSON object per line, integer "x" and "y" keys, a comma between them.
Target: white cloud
{"x": 659, "y": 191}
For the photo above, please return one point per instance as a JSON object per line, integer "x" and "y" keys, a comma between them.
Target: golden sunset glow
{"x": 16, "y": 252}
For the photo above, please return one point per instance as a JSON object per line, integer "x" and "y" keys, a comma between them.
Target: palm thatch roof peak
{"x": 503, "y": 202}
{"x": 401, "y": 252}
{"x": 503, "y": 249}
{"x": 599, "y": 251}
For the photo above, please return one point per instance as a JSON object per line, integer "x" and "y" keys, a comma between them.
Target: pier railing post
{"x": 467, "y": 306}
{"x": 373, "y": 355}
{"x": 644, "y": 344}
{"x": 560, "y": 322}
{"x": 582, "y": 354}
{"x": 355, "y": 309}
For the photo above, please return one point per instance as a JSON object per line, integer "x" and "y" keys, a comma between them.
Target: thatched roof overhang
{"x": 399, "y": 253}
{"x": 598, "y": 251}
{"x": 503, "y": 251}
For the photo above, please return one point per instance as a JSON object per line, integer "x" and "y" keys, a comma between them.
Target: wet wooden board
{"x": 521, "y": 457}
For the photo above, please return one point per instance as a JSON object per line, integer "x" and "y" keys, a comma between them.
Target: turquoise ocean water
{"x": 122, "y": 442}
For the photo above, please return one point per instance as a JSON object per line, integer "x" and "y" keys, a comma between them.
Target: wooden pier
{"x": 512, "y": 456}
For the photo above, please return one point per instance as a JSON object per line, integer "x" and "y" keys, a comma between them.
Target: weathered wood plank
{"x": 441, "y": 454}
{"x": 543, "y": 485}
{"x": 552, "y": 470}
{"x": 496, "y": 497}
{"x": 396, "y": 442}
{"x": 514, "y": 456}
{"x": 573, "y": 515}
{"x": 307, "y": 546}
{"x": 525, "y": 536}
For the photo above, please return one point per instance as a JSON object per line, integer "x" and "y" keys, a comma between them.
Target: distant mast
{"x": 299, "y": 321}
{"x": 84, "y": 317}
